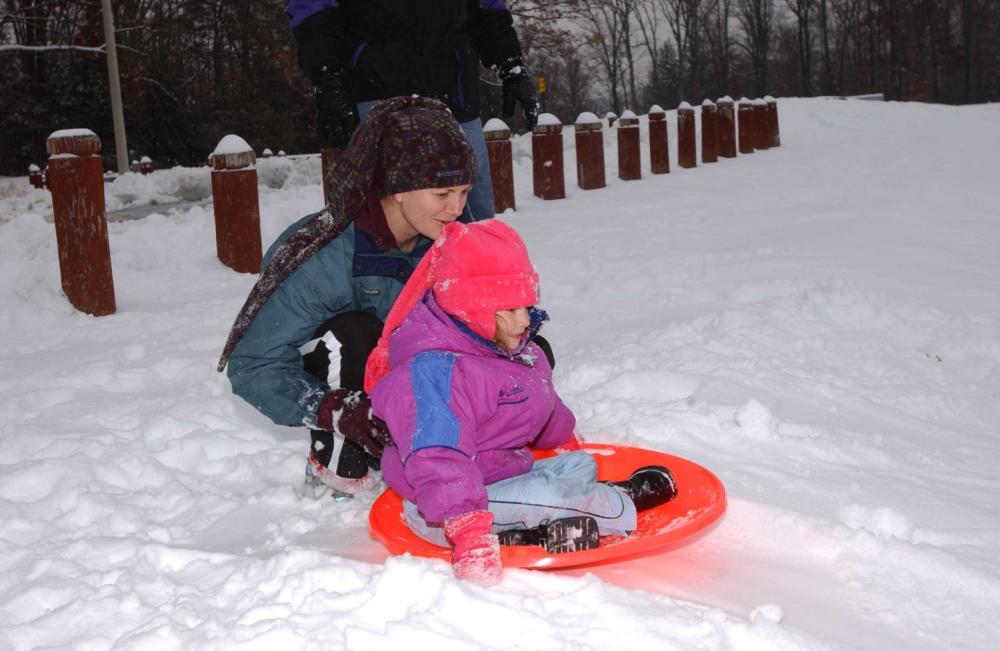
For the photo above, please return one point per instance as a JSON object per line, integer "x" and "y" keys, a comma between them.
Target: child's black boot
{"x": 574, "y": 534}
{"x": 648, "y": 486}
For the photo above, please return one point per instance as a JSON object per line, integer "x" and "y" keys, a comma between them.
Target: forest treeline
{"x": 194, "y": 70}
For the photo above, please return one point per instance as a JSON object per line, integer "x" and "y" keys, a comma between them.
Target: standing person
{"x": 334, "y": 275}
{"x": 464, "y": 390}
{"x": 357, "y": 52}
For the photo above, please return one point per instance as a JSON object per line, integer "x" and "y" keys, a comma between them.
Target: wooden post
{"x": 610, "y": 116}
{"x": 589, "y": 151}
{"x": 762, "y": 135}
{"x": 772, "y": 115}
{"x": 709, "y": 127}
{"x": 146, "y": 165}
{"x": 237, "y": 209}
{"x": 687, "y": 152}
{"x": 35, "y": 177}
{"x": 547, "y": 158}
{"x": 76, "y": 179}
{"x": 744, "y": 118}
{"x": 629, "y": 157}
{"x": 726, "y": 131}
{"x": 496, "y": 133}
{"x": 659, "y": 152}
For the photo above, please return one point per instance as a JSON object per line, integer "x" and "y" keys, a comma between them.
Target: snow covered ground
{"x": 819, "y": 324}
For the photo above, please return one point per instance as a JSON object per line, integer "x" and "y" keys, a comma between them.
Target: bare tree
{"x": 826, "y": 80}
{"x": 687, "y": 20}
{"x": 802, "y": 10}
{"x": 756, "y": 17}
{"x": 720, "y": 43}
{"x": 648, "y": 20}
{"x": 605, "y": 35}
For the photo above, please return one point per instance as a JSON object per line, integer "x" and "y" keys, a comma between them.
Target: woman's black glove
{"x": 337, "y": 117}
{"x": 517, "y": 85}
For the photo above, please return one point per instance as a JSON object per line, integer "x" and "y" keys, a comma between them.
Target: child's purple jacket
{"x": 462, "y": 412}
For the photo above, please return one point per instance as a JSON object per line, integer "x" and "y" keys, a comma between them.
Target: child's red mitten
{"x": 476, "y": 549}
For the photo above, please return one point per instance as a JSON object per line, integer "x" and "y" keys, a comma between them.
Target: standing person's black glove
{"x": 349, "y": 413}
{"x": 336, "y": 114}
{"x": 517, "y": 85}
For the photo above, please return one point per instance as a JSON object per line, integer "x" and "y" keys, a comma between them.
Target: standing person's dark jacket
{"x": 387, "y": 48}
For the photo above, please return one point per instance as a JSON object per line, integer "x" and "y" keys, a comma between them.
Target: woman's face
{"x": 511, "y": 325}
{"x": 428, "y": 210}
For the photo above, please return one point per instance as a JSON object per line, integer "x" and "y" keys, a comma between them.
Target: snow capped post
{"x": 496, "y": 133}
{"x": 589, "y": 151}
{"x": 547, "y": 158}
{"x": 35, "y": 177}
{"x": 659, "y": 152}
{"x": 762, "y": 134}
{"x": 237, "y": 211}
{"x": 146, "y": 165}
{"x": 611, "y": 116}
{"x": 687, "y": 152}
{"x": 629, "y": 160}
{"x": 745, "y": 125}
{"x": 267, "y": 153}
{"x": 76, "y": 179}
{"x": 709, "y": 127}
{"x": 772, "y": 120}
{"x": 725, "y": 123}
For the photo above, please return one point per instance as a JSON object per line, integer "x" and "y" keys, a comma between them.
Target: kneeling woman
{"x": 464, "y": 391}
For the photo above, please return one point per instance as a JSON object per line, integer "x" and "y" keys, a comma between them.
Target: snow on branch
{"x": 49, "y": 48}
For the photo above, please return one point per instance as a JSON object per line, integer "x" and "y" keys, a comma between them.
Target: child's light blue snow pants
{"x": 558, "y": 487}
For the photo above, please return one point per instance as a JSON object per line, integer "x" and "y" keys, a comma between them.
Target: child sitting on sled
{"x": 464, "y": 391}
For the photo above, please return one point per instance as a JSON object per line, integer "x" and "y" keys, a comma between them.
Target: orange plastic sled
{"x": 701, "y": 500}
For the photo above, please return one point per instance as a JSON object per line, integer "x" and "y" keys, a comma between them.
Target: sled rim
{"x": 700, "y": 502}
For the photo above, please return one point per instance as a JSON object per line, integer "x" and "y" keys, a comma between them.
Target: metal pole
{"x": 118, "y": 116}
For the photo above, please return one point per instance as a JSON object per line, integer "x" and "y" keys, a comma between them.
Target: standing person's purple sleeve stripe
{"x": 299, "y": 10}
{"x": 493, "y": 5}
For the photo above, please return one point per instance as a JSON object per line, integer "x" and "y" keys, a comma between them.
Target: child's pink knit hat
{"x": 475, "y": 270}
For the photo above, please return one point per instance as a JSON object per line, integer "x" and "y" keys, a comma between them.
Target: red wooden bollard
{"x": 35, "y": 177}
{"x": 589, "y": 152}
{"x": 328, "y": 156}
{"x": 726, "y": 127}
{"x": 237, "y": 211}
{"x": 687, "y": 152}
{"x": 76, "y": 179}
{"x": 146, "y": 165}
{"x": 547, "y": 158}
{"x": 610, "y": 116}
{"x": 659, "y": 152}
{"x": 496, "y": 133}
{"x": 772, "y": 120}
{"x": 629, "y": 156}
{"x": 709, "y": 127}
{"x": 745, "y": 126}
{"x": 762, "y": 134}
